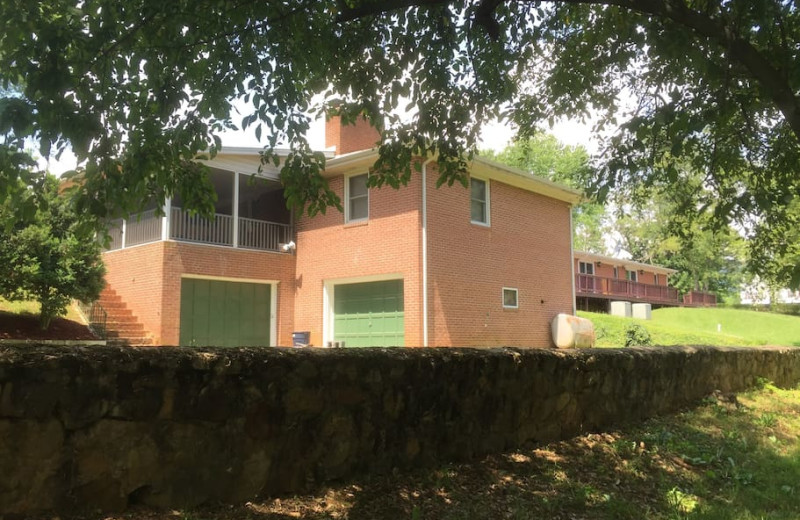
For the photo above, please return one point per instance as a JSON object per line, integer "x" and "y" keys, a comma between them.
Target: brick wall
{"x": 387, "y": 243}
{"x": 137, "y": 275}
{"x": 148, "y": 278}
{"x": 527, "y": 247}
{"x": 350, "y": 138}
{"x": 231, "y": 264}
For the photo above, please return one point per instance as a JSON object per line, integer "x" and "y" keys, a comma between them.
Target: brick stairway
{"x": 122, "y": 327}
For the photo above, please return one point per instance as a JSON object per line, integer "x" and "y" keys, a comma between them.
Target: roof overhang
{"x": 248, "y": 160}
{"x": 363, "y": 160}
{"x": 610, "y": 260}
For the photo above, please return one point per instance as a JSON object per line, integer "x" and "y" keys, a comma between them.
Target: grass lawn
{"x": 687, "y": 326}
{"x": 32, "y": 309}
{"x": 762, "y": 328}
{"x": 732, "y": 458}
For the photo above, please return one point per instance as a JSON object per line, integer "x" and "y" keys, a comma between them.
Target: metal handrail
{"x": 96, "y": 317}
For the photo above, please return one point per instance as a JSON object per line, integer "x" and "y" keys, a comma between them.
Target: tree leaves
{"x": 117, "y": 80}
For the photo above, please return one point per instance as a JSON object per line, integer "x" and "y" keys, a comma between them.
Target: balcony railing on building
{"x": 700, "y": 299}
{"x": 586, "y": 284}
{"x": 183, "y": 226}
{"x": 250, "y": 214}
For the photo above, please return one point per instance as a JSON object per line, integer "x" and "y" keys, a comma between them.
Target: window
{"x": 510, "y": 298}
{"x": 357, "y": 197}
{"x": 479, "y": 202}
{"x": 631, "y": 275}
{"x": 586, "y": 268}
{"x": 616, "y": 273}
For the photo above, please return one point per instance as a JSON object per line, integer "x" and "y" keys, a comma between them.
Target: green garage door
{"x": 369, "y": 314}
{"x": 224, "y": 314}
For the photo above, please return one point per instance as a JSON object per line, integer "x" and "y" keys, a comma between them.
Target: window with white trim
{"x": 633, "y": 276}
{"x": 479, "y": 202}
{"x": 510, "y": 298}
{"x": 586, "y": 268}
{"x": 356, "y": 195}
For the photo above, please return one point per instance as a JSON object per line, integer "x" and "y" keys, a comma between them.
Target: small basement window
{"x": 510, "y": 298}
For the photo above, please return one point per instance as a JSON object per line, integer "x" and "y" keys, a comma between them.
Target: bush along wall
{"x": 104, "y": 428}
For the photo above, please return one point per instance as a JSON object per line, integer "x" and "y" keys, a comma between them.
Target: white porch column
{"x": 235, "y": 209}
{"x": 124, "y": 226}
{"x": 166, "y": 221}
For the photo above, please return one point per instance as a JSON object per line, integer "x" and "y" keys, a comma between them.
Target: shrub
{"x": 637, "y": 336}
{"x": 51, "y": 258}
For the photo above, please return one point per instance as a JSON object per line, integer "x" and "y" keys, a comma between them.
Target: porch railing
{"x": 600, "y": 285}
{"x": 700, "y": 298}
{"x": 143, "y": 228}
{"x": 194, "y": 228}
{"x": 184, "y": 226}
{"x": 262, "y": 234}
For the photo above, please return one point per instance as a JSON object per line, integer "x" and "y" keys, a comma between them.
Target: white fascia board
{"x": 524, "y": 180}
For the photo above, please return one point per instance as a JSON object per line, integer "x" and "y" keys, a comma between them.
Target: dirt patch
{"x": 26, "y": 326}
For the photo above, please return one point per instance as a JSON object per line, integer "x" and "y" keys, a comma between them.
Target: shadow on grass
{"x": 716, "y": 462}
{"x": 722, "y": 460}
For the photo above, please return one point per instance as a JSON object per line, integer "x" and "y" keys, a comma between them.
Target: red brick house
{"x": 600, "y": 279}
{"x": 420, "y": 266}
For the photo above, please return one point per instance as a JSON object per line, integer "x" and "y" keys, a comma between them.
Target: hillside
{"x": 695, "y": 326}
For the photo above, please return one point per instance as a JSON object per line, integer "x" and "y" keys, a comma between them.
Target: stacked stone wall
{"x": 104, "y": 428}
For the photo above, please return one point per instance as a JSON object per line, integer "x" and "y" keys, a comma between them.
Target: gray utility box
{"x": 642, "y": 311}
{"x": 622, "y": 309}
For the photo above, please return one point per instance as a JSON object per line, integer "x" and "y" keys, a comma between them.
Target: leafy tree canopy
{"x": 706, "y": 258}
{"x": 138, "y": 88}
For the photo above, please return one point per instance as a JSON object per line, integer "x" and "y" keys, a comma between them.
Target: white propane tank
{"x": 571, "y": 331}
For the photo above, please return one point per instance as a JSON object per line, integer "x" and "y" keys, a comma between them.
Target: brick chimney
{"x": 350, "y": 138}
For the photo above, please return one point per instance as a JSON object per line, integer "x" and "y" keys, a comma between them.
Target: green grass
{"x": 687, "y": 326}
{"x": 32, "y": 309}
{"x": 758, "y": 327}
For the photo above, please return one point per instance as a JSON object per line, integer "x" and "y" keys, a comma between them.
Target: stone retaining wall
{"x": 104, "y": 427}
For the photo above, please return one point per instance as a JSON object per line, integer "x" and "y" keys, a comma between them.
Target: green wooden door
{"x": 369, "y": 314}
{"x": 224, "y": 314}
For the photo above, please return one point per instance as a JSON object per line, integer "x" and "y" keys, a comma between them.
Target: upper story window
{"x": 356, "y": 196}
{"x": 586, "y": 268}
{"x": 479, "y": 202}
{"x": 632, "y": 276}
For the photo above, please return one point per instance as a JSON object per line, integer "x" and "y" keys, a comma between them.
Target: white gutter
{"x": 572, "y": 260}
{"x": 424, "y": 234}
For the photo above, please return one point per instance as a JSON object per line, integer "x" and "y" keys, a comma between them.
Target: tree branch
{"x": 774, "y": 84}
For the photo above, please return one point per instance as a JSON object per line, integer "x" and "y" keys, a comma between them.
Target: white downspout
{"x": 572, "y": 259}
{"x": 235, "y": 209}
{"x": 425, "y": 252}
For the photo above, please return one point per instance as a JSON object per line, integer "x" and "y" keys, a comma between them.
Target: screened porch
{"x": 250, "y": 213}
